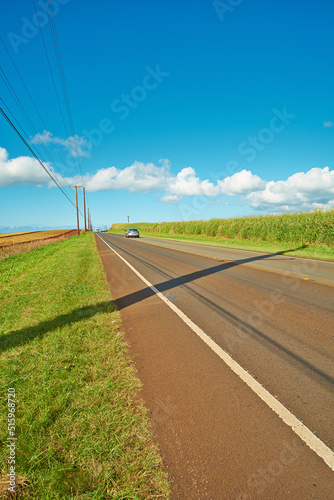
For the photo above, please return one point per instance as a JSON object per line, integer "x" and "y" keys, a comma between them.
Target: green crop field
{"x": 81, "y": 432}
{"x": 311, "y": 234}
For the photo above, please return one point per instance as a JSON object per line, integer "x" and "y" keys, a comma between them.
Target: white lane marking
{"x": 298, "y": 427}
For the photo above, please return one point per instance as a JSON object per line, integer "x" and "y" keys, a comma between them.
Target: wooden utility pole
{"x": 84, "y": 200}
{"x": 89, "y": 222}
{"x": 76, "y": 201}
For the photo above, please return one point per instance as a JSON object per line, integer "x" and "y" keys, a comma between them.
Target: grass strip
{"x": 81, "y": 432}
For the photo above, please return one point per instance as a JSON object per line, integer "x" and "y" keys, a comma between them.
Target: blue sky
{"x": 181, "y": 109}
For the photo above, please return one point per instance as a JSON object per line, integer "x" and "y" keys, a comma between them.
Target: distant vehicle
{"x": 96, "y": 230}
{"x": 132, "y": 233}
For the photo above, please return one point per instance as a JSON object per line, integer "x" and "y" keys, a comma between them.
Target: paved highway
{"x": 236, "y": 356}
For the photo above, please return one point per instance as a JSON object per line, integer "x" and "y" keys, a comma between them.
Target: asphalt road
{"x": 274, "y": 316}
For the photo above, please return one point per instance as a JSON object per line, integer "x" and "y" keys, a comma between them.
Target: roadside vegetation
{"x": 308, "y": 234}
{"x": 81, "y": 431}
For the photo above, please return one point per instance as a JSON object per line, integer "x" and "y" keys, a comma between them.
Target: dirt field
{"x": 7, "y": 239}
{"x": 24, "y": 242}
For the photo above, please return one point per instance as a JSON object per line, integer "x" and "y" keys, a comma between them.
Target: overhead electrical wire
{"x": 31, "y": 99}
{"x": 61, "y": 72}
{"x": 26, "y": 142}
{"x": 56, "y": 46}
{"x": 66, "y": 100}
{"x": 34, "y": 154}
{"x": 23, "y": 132}
{"x": 49, "y": 64}
{"x": 14, "y": 119}
{"x": 16, "y": 98}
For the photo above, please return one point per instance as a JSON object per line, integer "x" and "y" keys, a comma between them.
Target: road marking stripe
{"x": 298, "y": 427}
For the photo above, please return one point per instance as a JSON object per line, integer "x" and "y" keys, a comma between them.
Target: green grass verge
{"x": 81, "y": 432}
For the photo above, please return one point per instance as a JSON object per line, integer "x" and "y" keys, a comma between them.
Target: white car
{"x": 132, "y": 233}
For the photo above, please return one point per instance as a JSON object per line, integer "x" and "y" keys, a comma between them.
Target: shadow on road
{"x": 283, "y": 252}
{"x": 246, "y": 328}
{"x": 135, "y": 297}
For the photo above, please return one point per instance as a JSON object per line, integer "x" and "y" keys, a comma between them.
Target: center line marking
{"x": 312, "y": 441}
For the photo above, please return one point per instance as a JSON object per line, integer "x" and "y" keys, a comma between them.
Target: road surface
{"x": 235, "y": 352}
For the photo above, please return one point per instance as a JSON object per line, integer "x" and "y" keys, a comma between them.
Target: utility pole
{"x": 84, "y": 200}
{"x": 76, "y": 201}
{"x": 89, "y": 222}
{"x": 128, "y": 216}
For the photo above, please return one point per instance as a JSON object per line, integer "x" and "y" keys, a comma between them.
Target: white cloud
{"x": 170, "y": 198}
{"x": 328, "y": 124}
{"x": 302, "y": 191}
{"x": 77, "y": 146}
{"x": 138, "y": 177}
{"x": 21, "y": 170}
{"x": 141, "y": 177}
{"x": 45, "y": 138}
{"x": 187, "y": 184}
{"x": 240, "y": 183}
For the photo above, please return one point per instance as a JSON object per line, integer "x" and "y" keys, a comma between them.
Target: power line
{"x": 18, "y": 102}
{"x": 31, "y": 99}
{"x": 39, "y": 161}
{"x": 14, "y": 119}
{"x": 61, "y": 72}
{"x": 56, "y": 47}
{"x": 18, "y": 126}
{"x": 66, "y": 100}
{"x": 23, "y": 133}
{"x": 52, "y": 77}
